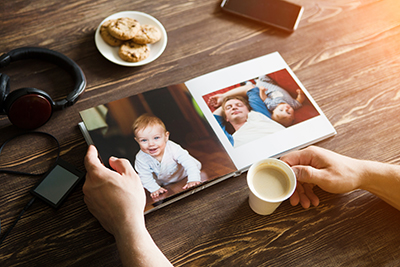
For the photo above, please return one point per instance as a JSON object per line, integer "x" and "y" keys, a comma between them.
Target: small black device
{"x": 277, "y": 13}
{"x": 58, "y": 183}
{"x": 29, "y": 108}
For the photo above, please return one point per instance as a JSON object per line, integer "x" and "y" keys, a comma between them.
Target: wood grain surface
{"x": 345, "y": 52}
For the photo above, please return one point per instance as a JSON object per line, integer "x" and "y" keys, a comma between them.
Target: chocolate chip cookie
{"x": 107, "y": 37}
{"x": 133, "y": 52}
{"x": 124, "y": 28}
{"x": 148, "y": 34}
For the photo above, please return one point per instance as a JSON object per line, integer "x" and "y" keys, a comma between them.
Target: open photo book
{"x": 186, "y": 137}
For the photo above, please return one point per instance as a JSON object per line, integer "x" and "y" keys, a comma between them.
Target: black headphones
{"x": 30, "y": 108}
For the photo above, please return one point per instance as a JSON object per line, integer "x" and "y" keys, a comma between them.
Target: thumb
{"x": 91, "y": 159}
{"x": 307, "y": 174}
{"x": 122, "y": 166}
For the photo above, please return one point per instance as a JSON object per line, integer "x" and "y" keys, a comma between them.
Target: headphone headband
{"x": 53, "y": 57}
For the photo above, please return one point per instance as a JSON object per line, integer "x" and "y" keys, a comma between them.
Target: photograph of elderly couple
{"x": 178, "y": 144}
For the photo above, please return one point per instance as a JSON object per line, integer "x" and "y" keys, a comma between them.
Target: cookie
{"x": 124, "y": 28}
{"x": 107, "y": 37}
{"x": 133, "y": 52}
{"x": 148, "y": 34}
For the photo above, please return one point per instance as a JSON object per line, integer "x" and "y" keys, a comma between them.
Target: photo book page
{"x": 186, "y": 137}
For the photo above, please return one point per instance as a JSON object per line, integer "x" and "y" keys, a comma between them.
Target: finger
{"x": 308, "y": 174}
{"x": 91, "y": 158}
{"x": 308, "y": 189}
{"x": 295, "y": 199}
{"x": 191, "y": 184}
{"x": 122, "y": 166}
{"x": 301, "y": 157}
{"x": 94, "y": 167}
{"x": 304, "y": 201}
{"x": 91, "y": 162}
{"x": 293, "y": 158}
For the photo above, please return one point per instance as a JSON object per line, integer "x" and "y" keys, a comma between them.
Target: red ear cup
{"x": 29, "y": 111}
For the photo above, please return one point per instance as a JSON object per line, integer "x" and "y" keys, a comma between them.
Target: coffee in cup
{"x": 270, "y": 181}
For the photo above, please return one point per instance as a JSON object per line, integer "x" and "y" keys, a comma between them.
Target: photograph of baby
{"x": 161, "y": 161}
{"x": 166, "y": 138}
{"x": 259, "y": 107}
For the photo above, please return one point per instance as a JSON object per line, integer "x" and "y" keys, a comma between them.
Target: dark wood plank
{"x": 346, "y": 53}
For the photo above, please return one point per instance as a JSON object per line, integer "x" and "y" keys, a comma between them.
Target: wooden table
{"x": 346, "y": 53}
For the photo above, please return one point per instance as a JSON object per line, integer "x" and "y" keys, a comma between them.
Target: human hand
{"x": 262, "y": 88}
{"x": 215, "y": 101}
{"x": 158, "y": 192}
{"x": 300, "y": 96}
{"x": 115, "y": 197}
{"x": 330, "y": 171}
{"x": 190, "y": 185}
{"x": 262, "y": 92}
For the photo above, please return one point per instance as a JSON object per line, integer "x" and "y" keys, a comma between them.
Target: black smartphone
{"x": 58, "y": 183}
{"x": 277, "y": 13}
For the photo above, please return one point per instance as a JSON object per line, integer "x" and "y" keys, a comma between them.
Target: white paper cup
{"x": 270, "y": 181}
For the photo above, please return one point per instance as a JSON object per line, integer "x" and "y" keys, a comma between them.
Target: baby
{"x": 279, "y": 101}
{"x": 160, "y": 161}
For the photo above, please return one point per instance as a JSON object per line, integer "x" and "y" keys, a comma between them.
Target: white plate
{"x": 111, "y": 53}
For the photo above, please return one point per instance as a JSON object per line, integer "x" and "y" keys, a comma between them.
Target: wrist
{"x": 373, "y": 174}
{"x": 367, "y": 174}
{"x": 130, "y": 227}
{"x": 383, "y": 180}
